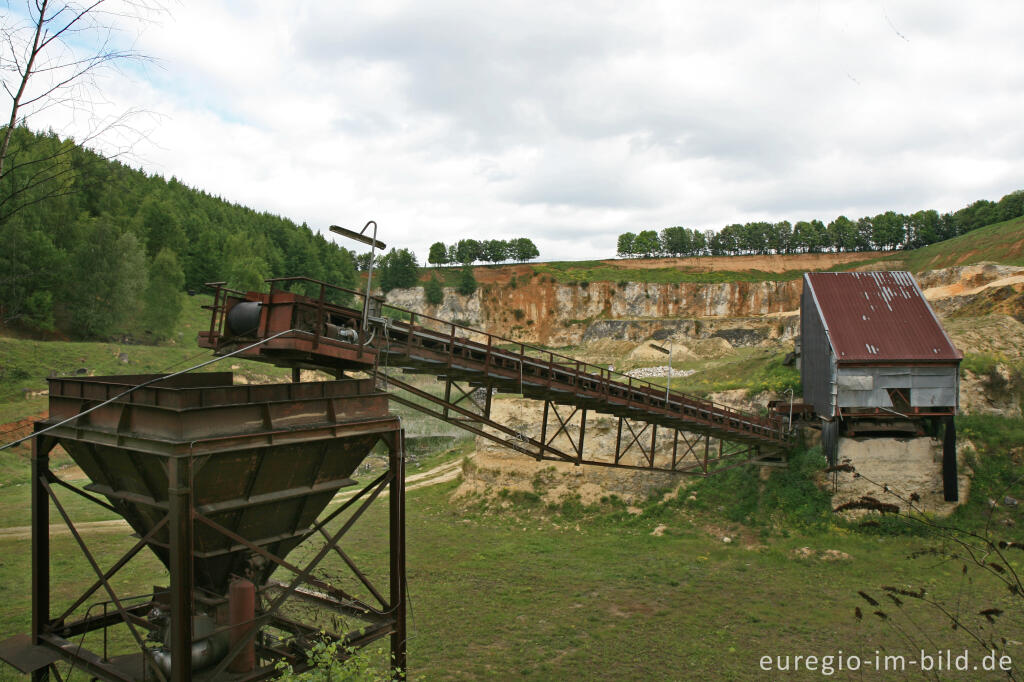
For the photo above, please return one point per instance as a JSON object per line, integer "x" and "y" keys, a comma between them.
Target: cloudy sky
{"x": 571, "y": 122}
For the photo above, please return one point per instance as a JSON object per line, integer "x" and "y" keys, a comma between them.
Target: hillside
{"x": 999, "y": 243}
{"x": 107, "y": 250}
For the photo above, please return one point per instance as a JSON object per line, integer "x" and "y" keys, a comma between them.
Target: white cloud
{"x": 570, "y": 122}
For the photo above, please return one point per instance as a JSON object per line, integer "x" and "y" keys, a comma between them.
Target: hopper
{"x": 262, "y": 461}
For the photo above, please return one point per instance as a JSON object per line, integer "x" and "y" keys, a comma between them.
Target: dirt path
{"x": 85, "y": 528}
{"x": 439, "y": 474}
{"x": 958, "y": 289}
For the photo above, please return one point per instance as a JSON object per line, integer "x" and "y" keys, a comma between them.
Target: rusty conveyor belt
{"x": 401, "y": 340}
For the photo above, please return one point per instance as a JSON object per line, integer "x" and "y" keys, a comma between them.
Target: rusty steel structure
{"x": 222, "y": 483}
{"x": 703, "y": 434}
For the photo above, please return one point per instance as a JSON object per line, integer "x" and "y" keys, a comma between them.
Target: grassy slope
{"x": 25, "y": 364}
{"x": 999, "y": 243}
{"x": 572, "y": 272}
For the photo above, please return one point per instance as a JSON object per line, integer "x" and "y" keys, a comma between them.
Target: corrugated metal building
{"x": 873, "y": 353}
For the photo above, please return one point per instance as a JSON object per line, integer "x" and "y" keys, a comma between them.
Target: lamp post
{"x": 374, "y": 244}
{"x": 790, "y": 390}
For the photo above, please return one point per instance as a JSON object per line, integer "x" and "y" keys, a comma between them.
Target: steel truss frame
{"x": 49, "y": 641}
{"x": 692, "y": 453}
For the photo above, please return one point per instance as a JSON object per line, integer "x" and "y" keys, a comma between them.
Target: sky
{"x": 572, "y": 122}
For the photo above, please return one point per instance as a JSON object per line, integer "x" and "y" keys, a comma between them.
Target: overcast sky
{"x": 572, "y": 122}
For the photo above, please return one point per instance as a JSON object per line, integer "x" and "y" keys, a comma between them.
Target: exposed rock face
{"x": 539, "y": 310}
{"x": 455, "y": 307}
{"x": 564, "y": 314}
{"x": 975, "y": 290}
{"x": 892, "y": 470}
{"x": 967, "y": 276}
{"x": 739, "y": 332}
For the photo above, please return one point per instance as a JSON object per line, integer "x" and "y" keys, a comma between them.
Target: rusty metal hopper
{"x": 264, "y": 460}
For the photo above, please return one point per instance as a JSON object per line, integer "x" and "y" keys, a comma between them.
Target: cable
{"x": 144, "y": 384}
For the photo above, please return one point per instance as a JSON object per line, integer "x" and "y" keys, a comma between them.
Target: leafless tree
{"x": 51, "y": 55}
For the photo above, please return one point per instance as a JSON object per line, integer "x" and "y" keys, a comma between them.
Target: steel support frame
{"x": 543, "y": 448}
{"x": 564, "y": 426}
{"x": 181, "y": 516}
{"x": 465, "y": 394}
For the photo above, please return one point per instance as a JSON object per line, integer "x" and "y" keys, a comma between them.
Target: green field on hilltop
{"x": 578, "y": 272}
{"x": 999, "y": 243}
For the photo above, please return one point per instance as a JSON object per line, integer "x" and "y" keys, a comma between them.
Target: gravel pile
{"x": 648, "y": 372}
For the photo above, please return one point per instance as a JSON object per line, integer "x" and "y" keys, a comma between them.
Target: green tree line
{"x": 884, "y": 232}
{"x": 95, "y": 247}
{"x": 469, "y": 251}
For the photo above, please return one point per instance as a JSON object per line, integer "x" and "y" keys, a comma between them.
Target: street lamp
{"x": 374, "y": 244}
{"x": 790, "y": 390}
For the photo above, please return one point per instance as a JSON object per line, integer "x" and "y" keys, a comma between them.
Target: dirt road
{"x": 439, "y": 474}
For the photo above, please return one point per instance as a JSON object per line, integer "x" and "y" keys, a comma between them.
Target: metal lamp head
{"x": 360, "y": 237}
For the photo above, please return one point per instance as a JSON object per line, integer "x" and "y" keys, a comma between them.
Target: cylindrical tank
{"x": 244, "y": 318}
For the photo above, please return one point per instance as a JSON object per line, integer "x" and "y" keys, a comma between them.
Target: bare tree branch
{"x": 44, "y": 66}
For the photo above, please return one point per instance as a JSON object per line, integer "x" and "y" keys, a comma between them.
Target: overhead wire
{"x": 154, "y": 380}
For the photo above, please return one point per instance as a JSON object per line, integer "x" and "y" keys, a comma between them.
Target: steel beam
{"x": 396, "y": 552}
{"x": 41, "y": 447}
{"x": 179, "y": 490}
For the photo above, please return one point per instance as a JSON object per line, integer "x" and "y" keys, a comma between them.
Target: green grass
{"x": 981, "y": 363}
{"x": 998, "y": 243}
{"x": 552, "y": 592}
{"x": 25, "y": 364}
{"x": 536, "y": 594}
{"x": 583, "y": 272}
{"x": 16, "y": 498}
{"x": 752, "y": 369}
{"x": 997, "y": 462}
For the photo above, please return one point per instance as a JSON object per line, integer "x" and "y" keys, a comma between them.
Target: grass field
{"x": 566, "y": 592}
{"x": 569, "y": 593}
{"x": 575, "y": 272}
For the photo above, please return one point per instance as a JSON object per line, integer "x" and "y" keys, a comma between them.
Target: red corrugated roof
{"x": 879, "y": 317}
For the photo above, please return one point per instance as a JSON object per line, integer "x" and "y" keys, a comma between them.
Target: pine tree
{"x": 164, "y": 298}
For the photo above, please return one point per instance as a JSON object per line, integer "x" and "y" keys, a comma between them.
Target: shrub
{"x": 467, "y": 281}
{"x": 433, "y": 291}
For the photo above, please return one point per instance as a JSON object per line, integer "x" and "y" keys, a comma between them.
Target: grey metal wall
{"x": 930, "y": 385}
{"x": 817, "y": 364}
